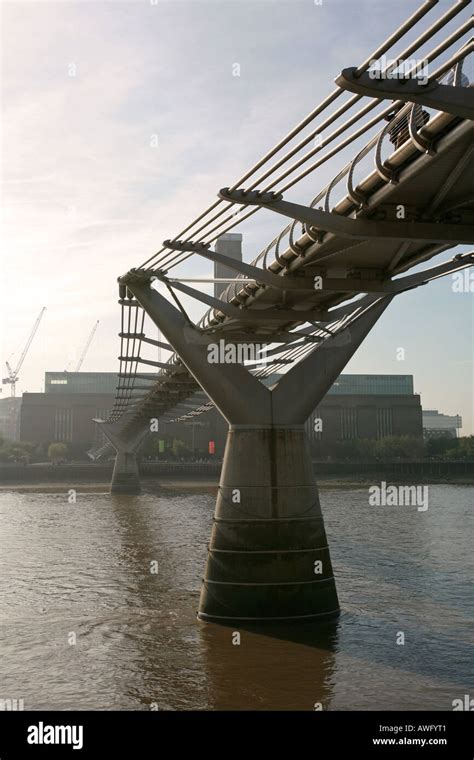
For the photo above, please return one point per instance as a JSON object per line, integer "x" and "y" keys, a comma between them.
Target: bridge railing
{"x": 405, "y": 125}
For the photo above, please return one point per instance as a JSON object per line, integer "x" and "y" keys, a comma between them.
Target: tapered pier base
{"x": 268, "y": 556}
{"x": 125, "y": 478}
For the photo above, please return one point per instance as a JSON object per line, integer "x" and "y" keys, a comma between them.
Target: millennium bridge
{"x": 404, "y": 116}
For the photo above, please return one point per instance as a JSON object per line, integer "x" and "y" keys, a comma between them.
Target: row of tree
{"x": 398, "y": 447}
{"x": 23, "y": 452}
{"x": 358, "y": 449}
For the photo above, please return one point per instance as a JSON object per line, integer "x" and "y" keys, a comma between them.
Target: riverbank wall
{"x": 91, "y": 473}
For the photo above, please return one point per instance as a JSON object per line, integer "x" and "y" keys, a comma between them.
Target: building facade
{"x": 345, "y": 417}
{"x": 64, "y": 413}
{"x": 357, "y": 406}
{"x": 10, "y": 418}
{"x": 437, "y": 425}
{"x": 64, "y": 417}
{"x": 80, "y": 382}
{"x": 229, "y": 245}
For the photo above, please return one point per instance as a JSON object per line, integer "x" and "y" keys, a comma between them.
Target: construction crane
{"x": 12, "y": 377}
{"x": 86, "y": 347}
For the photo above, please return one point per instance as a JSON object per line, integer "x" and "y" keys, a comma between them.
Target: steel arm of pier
{"x": 236, "y": 393}
{"x": 309, "y": 380}
{"x": 243, "y": 399}
{"x": 456, "y": 100}
{"x": 129, "y": 445}
{"x": 345, "y": 227}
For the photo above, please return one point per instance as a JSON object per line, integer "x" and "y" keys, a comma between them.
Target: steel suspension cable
{"x": 400, "y": 32}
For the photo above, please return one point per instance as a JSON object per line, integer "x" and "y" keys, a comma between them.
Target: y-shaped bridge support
{"x": 125, "y": 478}
{"x": 268, "y": 555}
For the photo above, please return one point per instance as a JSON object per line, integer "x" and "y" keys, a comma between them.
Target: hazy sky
{"x": 86, "y": 195}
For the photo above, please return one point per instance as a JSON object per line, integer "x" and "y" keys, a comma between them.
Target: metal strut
{"x": 363, "y": 229}
{"x": 458, "y": 101}
{"x": 263, "y": 276}
{"x": 272, "y": 314}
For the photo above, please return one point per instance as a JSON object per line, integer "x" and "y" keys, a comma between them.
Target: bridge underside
{"x": 268, "y": 556}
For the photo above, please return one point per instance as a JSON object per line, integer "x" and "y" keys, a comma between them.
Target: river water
{"x": 87, "y": 623}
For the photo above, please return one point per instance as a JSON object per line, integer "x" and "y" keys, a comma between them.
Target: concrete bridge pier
{"x": 125, "y": 477}
{"x": 268, "y": 556}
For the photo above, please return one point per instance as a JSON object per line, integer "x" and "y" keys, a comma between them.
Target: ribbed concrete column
{"x": 125, "y": 478}
{"x": 268, "y": 556}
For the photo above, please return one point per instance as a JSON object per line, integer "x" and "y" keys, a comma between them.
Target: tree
{"x": 16, "y": 451}
{"x": 439, "y": 446}
{"x": 6, "y": 454}
{"x": 353, "y": 449}
{"x": 180, "y": 449}
{"x": 57, "y": 452}
{"x": 399, "y": 447}
{"x": 465, "y": 447}
{"x": 446, "y": 447}
{"x": 152, "y": 449}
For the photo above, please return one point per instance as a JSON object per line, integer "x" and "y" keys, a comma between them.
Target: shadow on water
{"x": 163, "y": 649}
{"x": 265, "y": 670}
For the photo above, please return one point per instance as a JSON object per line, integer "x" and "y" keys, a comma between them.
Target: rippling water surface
{"x": 84, "y": 569}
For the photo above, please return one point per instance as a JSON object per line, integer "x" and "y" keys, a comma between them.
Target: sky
{"x": 121, "y": 121}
